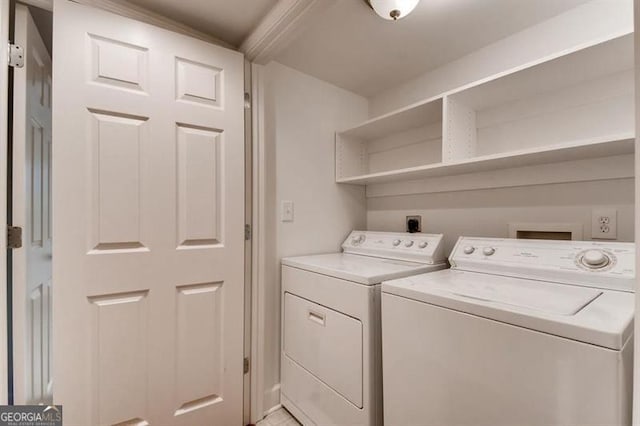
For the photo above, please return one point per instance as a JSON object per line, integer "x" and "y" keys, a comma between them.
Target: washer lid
{"x": 536, "y": 296}
{"x": 596, "y": 316}
{"x": 361, "y": 269}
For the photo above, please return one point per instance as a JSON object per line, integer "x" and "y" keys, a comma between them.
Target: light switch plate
{"x": 604, "y": 224}
{"x": 286, "y": 212}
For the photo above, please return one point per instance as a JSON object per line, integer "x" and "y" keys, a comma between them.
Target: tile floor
{"x": 280, "y": 417}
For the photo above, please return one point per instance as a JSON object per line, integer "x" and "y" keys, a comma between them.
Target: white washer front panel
{"x": 600, "y": 317}
{"x": 443, "y": 367}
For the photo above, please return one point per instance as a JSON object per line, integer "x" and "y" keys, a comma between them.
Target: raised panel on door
{"x": 199, "y": 175}
{"x": 119, "y": 351}
{"x": 149, "y": 225}
{"x": 199, "y": 347}
{"x": 117, "y": 149}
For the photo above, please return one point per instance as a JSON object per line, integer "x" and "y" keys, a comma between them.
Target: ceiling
{"x": 229, "y": 21}
{"x": 348, "y": 45}
{"x": 351, "y": 47}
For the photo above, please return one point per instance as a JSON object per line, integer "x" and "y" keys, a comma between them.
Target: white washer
{"x": 517, "y": 332}
{"x": 331, "y": 369}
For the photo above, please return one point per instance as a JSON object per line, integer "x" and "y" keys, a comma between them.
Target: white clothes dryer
{"x": 331, "y": 370}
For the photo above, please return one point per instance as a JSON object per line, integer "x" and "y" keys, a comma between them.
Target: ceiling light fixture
{"x": 392, "y": 10}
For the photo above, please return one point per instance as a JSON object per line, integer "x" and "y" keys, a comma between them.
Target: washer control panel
{"x": 417, "y": 247}
{"x": 592, "y": 263}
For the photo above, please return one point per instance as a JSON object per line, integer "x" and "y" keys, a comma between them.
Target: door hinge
{"x": 247, "y": 100}
{"x": 246, "y": 365}
{"x": 14, "y": 237}
{"x": 247, "y": 232}
{"x": 16, "y": 56}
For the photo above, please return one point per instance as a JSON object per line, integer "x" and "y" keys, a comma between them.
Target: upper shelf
{"x": 585, "y": 65}
{"x": 428, "y": 111}
{"x": 580, "y": 150}
{"x": 570, "y": 106}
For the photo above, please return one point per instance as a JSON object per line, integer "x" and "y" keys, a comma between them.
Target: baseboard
{"x": 272, "y": 410}
{"x": 272, "y": 399}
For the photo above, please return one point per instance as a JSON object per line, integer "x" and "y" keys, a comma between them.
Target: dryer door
{"x": 326, "y": 343}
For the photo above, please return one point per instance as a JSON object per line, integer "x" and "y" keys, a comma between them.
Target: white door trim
{"x": 258, "y": 271}
{"x": 636, "y": 356}
{"x": 248, "y": 247}
{"x": 4, "y": 102}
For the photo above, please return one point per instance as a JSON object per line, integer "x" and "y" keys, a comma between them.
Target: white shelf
{"x": 575, "y": 106}
{"x": 414, "y": 116}
{"x": 619, "y": 145}
{"x": 582, "y": 66}
{"x": 408, "y": 137}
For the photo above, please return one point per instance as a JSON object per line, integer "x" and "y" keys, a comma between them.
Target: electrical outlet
{"x": 604, "y": 224}
{"x": 414, "y": 224}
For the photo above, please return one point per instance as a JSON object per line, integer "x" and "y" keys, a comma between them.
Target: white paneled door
{"x": 148, "y": 208}
{"x": 31, "y": 211}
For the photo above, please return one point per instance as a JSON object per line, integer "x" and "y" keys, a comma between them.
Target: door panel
{"x": 148, "y": 223}
{"x": 31, "y": 211}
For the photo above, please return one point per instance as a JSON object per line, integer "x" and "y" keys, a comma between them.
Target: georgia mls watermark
{"x": 30, "y": 415}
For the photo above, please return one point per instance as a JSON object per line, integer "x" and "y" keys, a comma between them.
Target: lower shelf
{"x": 619, "y": 145}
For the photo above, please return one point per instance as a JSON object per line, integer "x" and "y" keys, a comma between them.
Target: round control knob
{"x": 423, "y": 244}
{"x": 488, "y": 251}
{"x": 469, "y": 249}
{"x": 408, "y": 244}
{"x": 595, "y": 259}
{"x": 396, "y": 243}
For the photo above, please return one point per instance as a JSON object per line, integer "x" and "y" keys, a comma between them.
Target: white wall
{"x": 598, "y": 19}
{"x": 302, "y": 114}
{"x": 488, "y": 212}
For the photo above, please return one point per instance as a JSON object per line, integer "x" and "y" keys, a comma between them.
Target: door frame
{"x": 636, "y": 357}
{"x": 4, "y": 144}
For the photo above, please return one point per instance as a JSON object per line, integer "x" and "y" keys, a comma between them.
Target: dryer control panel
{"x": 609, "y": 265}
{"x": 417, "y": 247}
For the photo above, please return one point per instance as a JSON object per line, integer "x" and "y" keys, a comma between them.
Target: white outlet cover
{"x": 604, "y": 224}
{"x": 286, "y": 212}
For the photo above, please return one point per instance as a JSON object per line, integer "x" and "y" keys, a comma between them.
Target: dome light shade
{"x": 393, "y": 9}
